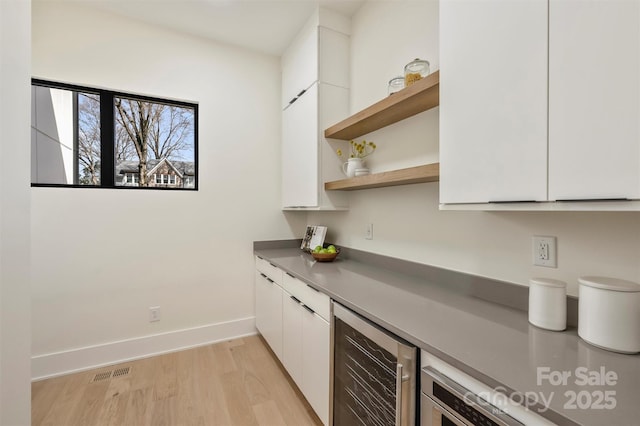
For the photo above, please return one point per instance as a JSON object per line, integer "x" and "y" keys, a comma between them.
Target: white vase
{"x": 349, "y": 168}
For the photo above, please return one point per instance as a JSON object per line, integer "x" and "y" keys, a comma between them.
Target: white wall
{"x": 407, "y": 223}
{"x": 100, "y": 258}
{"x": 15, "y": 314}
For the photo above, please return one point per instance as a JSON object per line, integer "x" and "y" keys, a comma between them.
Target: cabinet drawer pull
{"x": 270, "y": 280}
{"x": 259, "y": 257}
{"x": 295, "y": 299}
{"x": 313, "y": 288}
{"x": 272, "y": 265}
{"x": 289, "y": 275}
{"x": 308, "y": 309}
{"x": 263, "y": 275}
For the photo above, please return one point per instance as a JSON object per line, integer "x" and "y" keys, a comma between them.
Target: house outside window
{"x": 89, "y": 137}
{"x": 130, "y": 179}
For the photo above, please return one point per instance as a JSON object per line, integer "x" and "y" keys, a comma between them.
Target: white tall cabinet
{"x": 594, "y": 99}
{"x": 540, "y": 100}
{"x": 315, "y": 94}
{"x": 493, "y": 100}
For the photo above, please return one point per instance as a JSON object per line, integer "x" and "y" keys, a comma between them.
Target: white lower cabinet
{"x": 306, "y": 354}
{"x": 306, "y": 336}
{"x": 269, "y": 312}
{"x": 294, "y": 320}
{"x": 315, "y": 363}
{"x": 292, "y": 337}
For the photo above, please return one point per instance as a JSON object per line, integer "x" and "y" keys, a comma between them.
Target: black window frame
{"x": 107, "y": 135}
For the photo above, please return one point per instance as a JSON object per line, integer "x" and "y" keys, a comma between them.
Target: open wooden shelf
{"x": 419, "y": 174}
{"x": 420, "y": 96}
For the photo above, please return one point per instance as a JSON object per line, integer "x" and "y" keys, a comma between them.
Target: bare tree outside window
{"x": 88, "y": 139}
{"x": 151, "y": 130}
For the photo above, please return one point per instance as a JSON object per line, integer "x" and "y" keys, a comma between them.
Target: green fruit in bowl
{"x": 324, "y": 251}
{"x": 331, "y": 249}
{"x": 317, "y": 249}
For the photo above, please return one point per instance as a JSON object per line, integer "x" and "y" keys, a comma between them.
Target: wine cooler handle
{"x": 399, "y": 394}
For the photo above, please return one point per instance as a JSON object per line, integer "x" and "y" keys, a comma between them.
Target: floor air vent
{"x": 121, "y": 372}
{"x": 106, "y": 375}
{"x": 101, "y": 376}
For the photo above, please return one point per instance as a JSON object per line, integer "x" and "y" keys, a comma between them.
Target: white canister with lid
{"x": 609, "y": 313}
{"x": 548, "y": 303}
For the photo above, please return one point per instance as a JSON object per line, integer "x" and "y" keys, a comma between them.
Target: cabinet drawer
{"x": 269, "y": 270}
{"x": 314, "y": 299}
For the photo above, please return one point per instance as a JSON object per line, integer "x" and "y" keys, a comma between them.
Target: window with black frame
{"x": 87, "y": 137}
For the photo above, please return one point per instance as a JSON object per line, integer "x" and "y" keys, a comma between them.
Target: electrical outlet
{"x": 154, "y": 313}
{"x": 369, "y": 232}
{"x": 544, "y": 251}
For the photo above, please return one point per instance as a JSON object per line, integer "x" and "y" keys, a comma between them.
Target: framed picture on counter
{"x": 313, "y": 237}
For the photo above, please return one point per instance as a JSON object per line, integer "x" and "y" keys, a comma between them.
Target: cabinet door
{"x": 300, "y": 151}
{"x": 269, "y": 312}
{"x": 300, "y": 63}
{"x": 315, "y": 363}
{"x": 493, "y": 100}
{"x": 292, "y": 312}
{"x": 594, "y": 92}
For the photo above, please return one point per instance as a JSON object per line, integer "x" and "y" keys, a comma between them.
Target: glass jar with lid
{"x": 396, "y": 84}
{"x": 415, "y": 70}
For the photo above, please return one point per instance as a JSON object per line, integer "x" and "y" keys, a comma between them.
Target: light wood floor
{"x": 238, "y": 382}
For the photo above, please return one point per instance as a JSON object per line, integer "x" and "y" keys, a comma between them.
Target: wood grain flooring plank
{"x": 188, "y": 373}
{"x": 238, "y": 404}
{"x": 116, "y": 402}
{"x": 166, "y": 380}
{"x": 139, "y": 407}
{"x": 67, "y": 402}
{"x": 89, "y": 404}
{"x": 210, "y": 391}
{"x": 164, "y": 412}
{"x": 295, "y": 409}
{"x": 44, "y": 394}
{"x": 223, "y": 360}
{"x": 252, "y": 374}
{"x": 268, "y": 414}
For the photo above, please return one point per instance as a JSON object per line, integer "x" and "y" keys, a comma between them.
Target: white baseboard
{"x": 59, "y": 363}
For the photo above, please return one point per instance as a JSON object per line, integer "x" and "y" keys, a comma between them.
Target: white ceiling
{"x": 263, "y": 25}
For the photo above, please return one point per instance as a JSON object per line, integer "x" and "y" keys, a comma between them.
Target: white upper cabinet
{"x": 315, "y": 94}
{"x": 317, "y": 53}
{"x": 493, "y": 101}
{"x": 300, "y": 64}
{"x": 300, "y": 151}
{"x": 594, "y": 99}
{"x": 499, "y": 91}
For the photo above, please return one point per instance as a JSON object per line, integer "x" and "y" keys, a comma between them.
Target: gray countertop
{"x": 489, "y": 341}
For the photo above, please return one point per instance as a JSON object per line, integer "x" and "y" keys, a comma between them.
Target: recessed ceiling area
{"x": 263, "y": 25}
